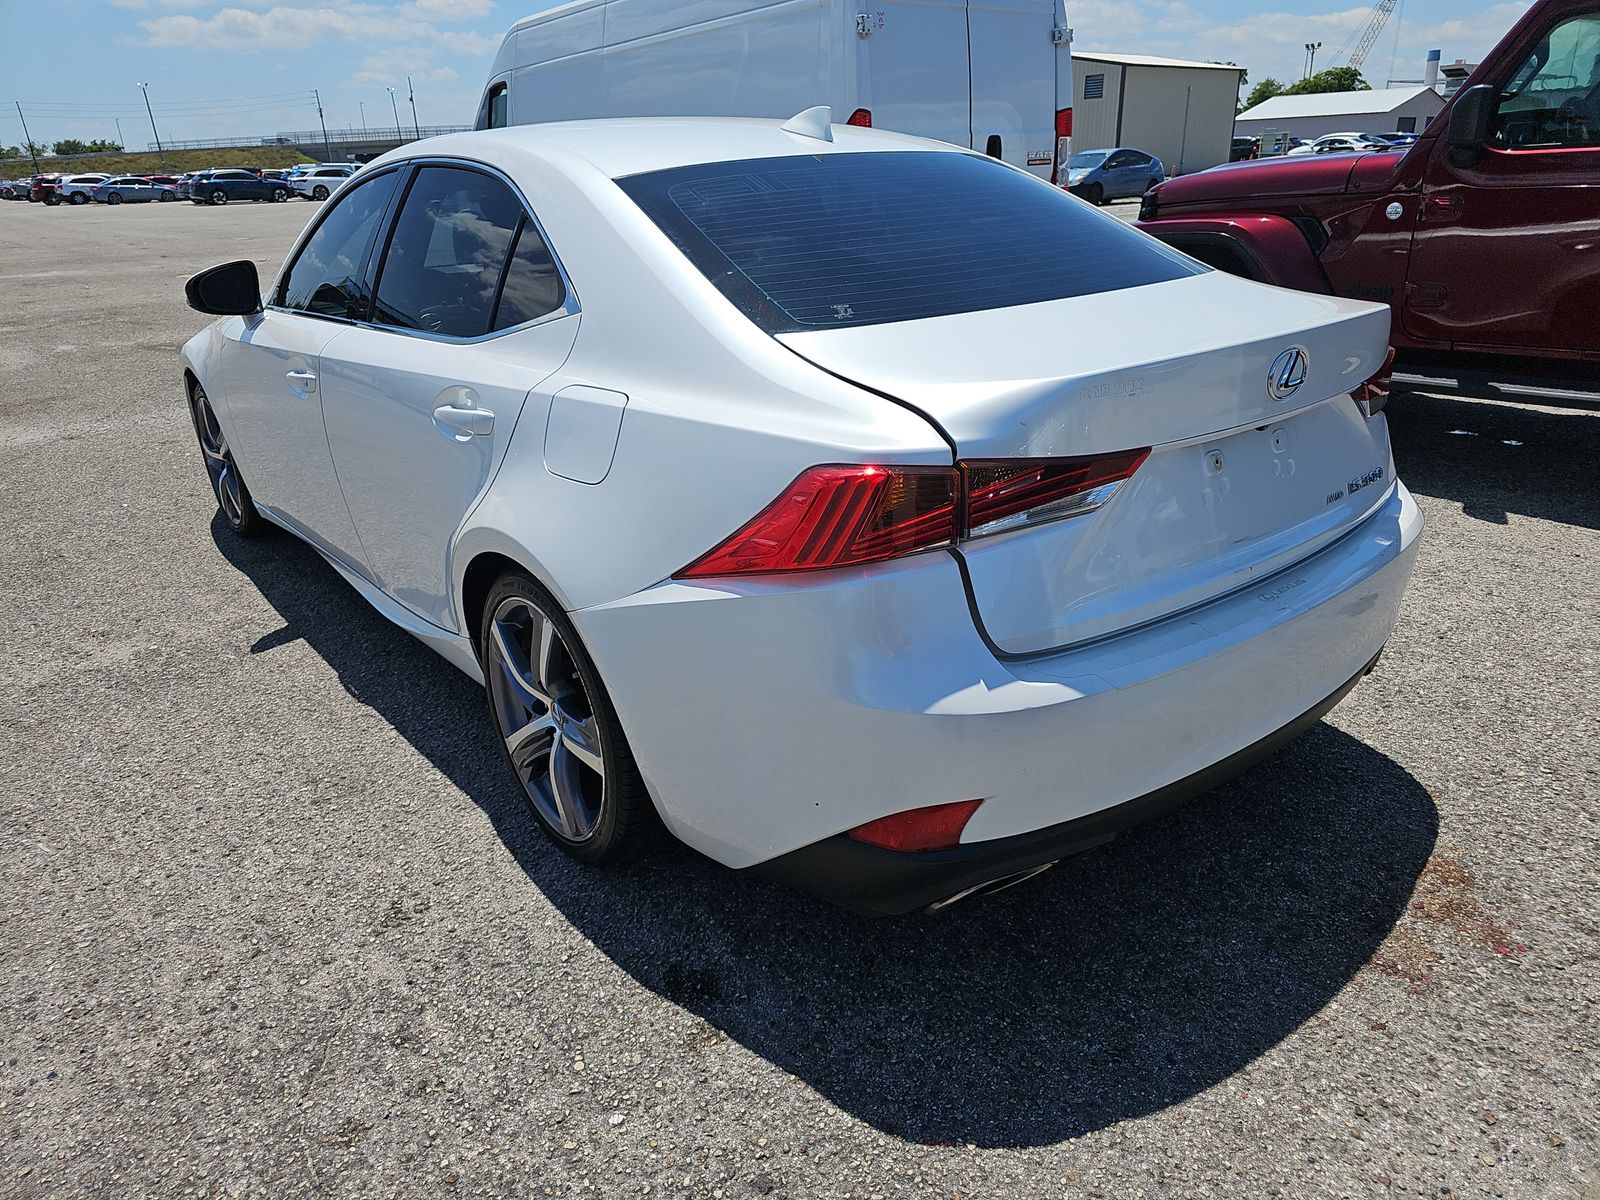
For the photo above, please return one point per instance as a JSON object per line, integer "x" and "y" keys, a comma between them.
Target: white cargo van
{"x": 993, "y": 75}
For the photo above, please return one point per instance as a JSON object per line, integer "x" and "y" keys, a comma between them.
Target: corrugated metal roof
{"x": 1336, "y": 104}
{"x": 1150, "y": 60}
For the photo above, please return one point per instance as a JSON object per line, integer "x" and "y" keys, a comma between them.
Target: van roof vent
{"x": 812, "y": 123}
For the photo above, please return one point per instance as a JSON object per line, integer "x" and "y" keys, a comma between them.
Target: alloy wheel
{"x": 219, "y": 197}
{"x": 220, "y": 466}
{"x": 547, "y": 719}
{"x": 114, "y": 198}
{"x": 320, "y": 192}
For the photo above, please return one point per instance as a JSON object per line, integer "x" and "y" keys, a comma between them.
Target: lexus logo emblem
{"x": 1287, "y": 373}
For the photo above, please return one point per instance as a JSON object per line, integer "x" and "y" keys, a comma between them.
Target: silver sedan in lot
{"x": 132, "y": 189}
{"x": 780, "y": 493}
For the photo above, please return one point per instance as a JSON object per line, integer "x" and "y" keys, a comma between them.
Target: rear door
{"x": 420, "y": 403}
{"x": 1013, "y": 75}
{"x": 913, "y": 68}
{"x": 1505, "y": 252}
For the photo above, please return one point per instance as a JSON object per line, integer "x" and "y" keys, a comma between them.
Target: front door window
{"x": 1552, "y": 102}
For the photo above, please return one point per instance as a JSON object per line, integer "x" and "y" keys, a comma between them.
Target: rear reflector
{"x": 1063, "y": 122}
{"x": 862, "y": 117}
{"x": 937, "y": 827}
{"x": 1063, "y": 142}
{"x": 1006, "y": 494}
{"x": 837, "y": 516}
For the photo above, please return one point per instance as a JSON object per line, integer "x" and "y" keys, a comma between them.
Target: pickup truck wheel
{"x": 218, "y": 197}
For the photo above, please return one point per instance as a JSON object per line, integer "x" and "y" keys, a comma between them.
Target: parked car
{"x": 79, "y": 189}
{"x": 45, "y": 188}
{"x": 14, "y": 189}
{"x": 1115, "y": 174}
{"x": 219, "y": 187}
{"x": 167, "y": 180}
{"x": 972, "y": 521}
{"x": 1244, "y": 148}
{"x": 317, "y": 183}
{"x": 132, "y": 189}
{"x": 995, "y": 78}
{"x": 1342, "y": 143}
{"x": 1473, "y": 235}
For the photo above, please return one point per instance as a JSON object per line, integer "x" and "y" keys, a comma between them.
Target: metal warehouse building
{"x": 1383, "y": 110}
{"x": 1181, "y": 112}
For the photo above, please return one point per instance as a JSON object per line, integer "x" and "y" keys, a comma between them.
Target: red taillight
{"x": 1063, "y": 130}
{"x": 1005, "y": 493}
{"x": 1372, "y": 395}
{"x": 862, "y": 117}
{"x": 937, "y": 827}
{"x": 837, "y": 516}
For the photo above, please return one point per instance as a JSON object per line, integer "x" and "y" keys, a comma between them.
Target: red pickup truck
{"x": 1483, "y": 236}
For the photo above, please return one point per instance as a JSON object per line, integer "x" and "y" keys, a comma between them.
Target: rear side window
{"x": 533, "y": 285}
{"x": 327, "y": 278}
{"x": 833, "y": 241}
{"x": 442, "y": 269}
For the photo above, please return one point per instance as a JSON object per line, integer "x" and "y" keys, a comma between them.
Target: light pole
{"x": 326, "y": 144}
{"x": 145, "y": 88}
{"x": 413, "y": 98}
{"x": 396, "y": 108}
{"x": 121, "y": 145}
{"x": 28, "y": 138}
{"x": 363, "y": 105}
{"x": 1311, "y": 57}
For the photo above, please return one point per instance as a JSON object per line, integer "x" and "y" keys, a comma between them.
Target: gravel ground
{"x": 272, "y": 922}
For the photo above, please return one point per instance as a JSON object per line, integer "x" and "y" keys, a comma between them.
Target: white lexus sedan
{"x": 865, "y": 511}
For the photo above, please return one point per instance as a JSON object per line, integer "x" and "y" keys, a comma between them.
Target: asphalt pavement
{"x": 273, "y": 923}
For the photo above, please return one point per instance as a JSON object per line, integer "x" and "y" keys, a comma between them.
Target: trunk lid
{"x": 1239, "y": 484}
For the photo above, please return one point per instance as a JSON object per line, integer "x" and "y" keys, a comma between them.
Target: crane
{"x": 1368, "y": 35}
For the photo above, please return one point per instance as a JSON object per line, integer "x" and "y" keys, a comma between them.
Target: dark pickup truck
{"x": 1483, "y": 236}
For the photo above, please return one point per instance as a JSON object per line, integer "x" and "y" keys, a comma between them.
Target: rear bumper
{"x": 867, "y": 879}
{"x": 767, "y": 717}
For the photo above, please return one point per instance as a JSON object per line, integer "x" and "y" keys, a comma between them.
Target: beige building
{"x": 1181, "y": 112}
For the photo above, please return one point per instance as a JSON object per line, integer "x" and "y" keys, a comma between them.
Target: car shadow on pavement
{"x": 1496, "y": 459}
{"x": 1116, "y": 985}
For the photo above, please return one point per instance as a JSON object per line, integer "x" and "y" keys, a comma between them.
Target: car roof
{"x": 621, "y": 146}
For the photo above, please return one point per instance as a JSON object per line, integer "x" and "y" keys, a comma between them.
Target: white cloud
{"x": 392, "y": 67}
{"x": 287, "y": 26}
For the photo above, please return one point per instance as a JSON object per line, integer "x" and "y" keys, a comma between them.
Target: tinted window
{"x": 327, "y": 277}
{"x": 1553, "y": 100}
{"x": 442, "y": 269}
{"x": 533, "y": 286}
{"x": 493, "y": 115}
{"x": 837, "y": 240}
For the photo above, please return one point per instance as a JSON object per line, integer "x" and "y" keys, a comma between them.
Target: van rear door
{"x": 1013, "y": 73}
{"x": 913, "y": 62}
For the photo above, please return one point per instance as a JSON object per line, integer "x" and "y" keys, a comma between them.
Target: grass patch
{"x": 149, "y": 162}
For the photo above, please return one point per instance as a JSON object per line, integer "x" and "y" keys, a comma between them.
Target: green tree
{"x": 1263, "y": 91}
{"x": 7, "y": 153}
{"x": 72, "y": 146}
{"x": 103, "y": 146}
{"x": 1334, "y": 79}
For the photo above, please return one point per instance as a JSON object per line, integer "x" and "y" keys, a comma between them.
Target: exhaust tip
{"x": 990, "y": 887}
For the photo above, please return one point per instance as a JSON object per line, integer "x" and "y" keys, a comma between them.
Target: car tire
{"x": 558, "y": 732}
{"x": 79, "y": 198}
{"x": 1095, "y": 194}
{"x": 320, "y": 192}
{"x": 51, "y": 201}
{"x": 167, "y": 197}
{"x": 218, "y": 197}
{"x": 114, "y": 198}
{"x": 279, "y": 195}
{"x": 227, "y": 485}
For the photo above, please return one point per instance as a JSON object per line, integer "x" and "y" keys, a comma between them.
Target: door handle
{"x": 464, "y": 422}
{"x": 302, "y": 381}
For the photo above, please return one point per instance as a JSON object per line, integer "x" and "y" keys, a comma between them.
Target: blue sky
{"x": 246, "y": 67}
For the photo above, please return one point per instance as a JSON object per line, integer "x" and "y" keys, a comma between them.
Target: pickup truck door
{"x": 1507, "y": 250}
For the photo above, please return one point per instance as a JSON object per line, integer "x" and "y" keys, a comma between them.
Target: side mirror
{"x": 1470, "y": 118}
{"x": 230, "y": 290}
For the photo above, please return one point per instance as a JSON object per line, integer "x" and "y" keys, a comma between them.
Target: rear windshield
{"x": 832, "y": 241}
